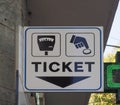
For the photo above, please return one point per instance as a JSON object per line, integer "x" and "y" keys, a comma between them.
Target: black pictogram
{"x": 46, "y": 43}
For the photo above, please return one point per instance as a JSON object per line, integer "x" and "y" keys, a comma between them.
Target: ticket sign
{"x": 63, "y": 59}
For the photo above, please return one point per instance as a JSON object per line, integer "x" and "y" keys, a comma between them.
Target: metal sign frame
{"x": 74, "y": 89}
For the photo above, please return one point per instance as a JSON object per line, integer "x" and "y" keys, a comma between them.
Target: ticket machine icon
{"x": 46, "y": 43}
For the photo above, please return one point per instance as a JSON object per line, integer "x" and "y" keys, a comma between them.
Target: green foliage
{"x": 109, "y": 58}
{"x": 102, "y": 99}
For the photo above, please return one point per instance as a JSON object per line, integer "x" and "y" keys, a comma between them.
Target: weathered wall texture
{"x": 10, "y": 17}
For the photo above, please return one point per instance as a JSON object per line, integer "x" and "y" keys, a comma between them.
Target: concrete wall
{"x": 10, "y": 17}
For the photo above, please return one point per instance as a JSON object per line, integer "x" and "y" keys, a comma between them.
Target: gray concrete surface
{"x": 10, "y": 18}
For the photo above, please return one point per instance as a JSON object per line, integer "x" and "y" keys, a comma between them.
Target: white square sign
{"x": 63, "y": 59}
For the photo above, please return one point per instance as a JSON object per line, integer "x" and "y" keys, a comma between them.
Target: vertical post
{"x": 46, "y": 53}
{"x": 17, "y": 86}
{"x": 117, "y": 58}
{"x": 118, "y": 97}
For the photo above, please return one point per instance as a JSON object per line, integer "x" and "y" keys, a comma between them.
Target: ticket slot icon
{"x": 46, "y": 43}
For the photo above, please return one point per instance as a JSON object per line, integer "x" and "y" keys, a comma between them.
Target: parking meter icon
{"x": 46, "y": 43}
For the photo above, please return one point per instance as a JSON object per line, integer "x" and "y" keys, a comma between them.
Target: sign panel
{"x": 63, "y": 59}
